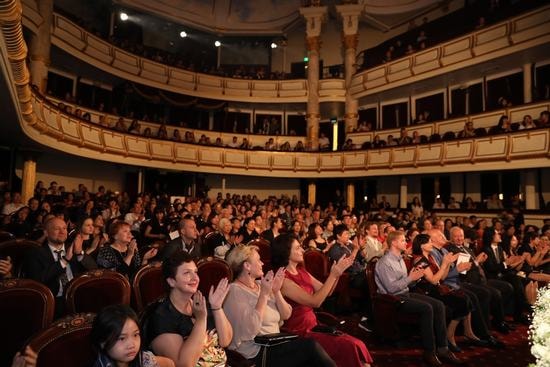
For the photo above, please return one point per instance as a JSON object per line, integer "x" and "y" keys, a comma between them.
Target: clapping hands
{"x": 217, "y": 296}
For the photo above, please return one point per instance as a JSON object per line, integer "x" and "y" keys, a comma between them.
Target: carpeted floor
{"x": 516, "y": 354}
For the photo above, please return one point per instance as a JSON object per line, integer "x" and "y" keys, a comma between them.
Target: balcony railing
{"x": 526, "y": 31}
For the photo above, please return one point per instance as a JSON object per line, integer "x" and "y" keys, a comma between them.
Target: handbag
{"x": 269, "y": 340}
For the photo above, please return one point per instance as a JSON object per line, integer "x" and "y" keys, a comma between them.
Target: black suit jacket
{"x": 494, "y": 269}
{"x": 177, "y": 244}
{"x": 475, "y": 275}
{"x": 41, "y": 266}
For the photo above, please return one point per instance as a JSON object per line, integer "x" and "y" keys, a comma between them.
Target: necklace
{"x": 248, "y": 286}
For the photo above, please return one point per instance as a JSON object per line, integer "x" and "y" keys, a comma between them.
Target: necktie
{"x": 63, "y": 278}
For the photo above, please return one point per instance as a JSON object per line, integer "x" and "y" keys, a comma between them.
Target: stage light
{"x": 217, "y": 43}
{"x": 123, "y": 17}
{"x": 183, "y": 34}
{"x": 273, "y": 45}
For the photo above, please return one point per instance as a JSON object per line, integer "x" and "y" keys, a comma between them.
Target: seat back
{"x": 6, "y": 236}
{"x": 95, "y": 289}
{"x": 17, "y": 250}
{"x": 317, "y": 264}
{"x": 371, "y": 282}
{"x": 264, "y": 249}
{"x": 148, "y": 285}
{"x": 65, "y": 343}
{"x": 211, "y": 271}
{"x": 26, "y": 307}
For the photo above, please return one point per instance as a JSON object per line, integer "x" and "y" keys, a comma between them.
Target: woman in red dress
{"x": 304, "y": 293}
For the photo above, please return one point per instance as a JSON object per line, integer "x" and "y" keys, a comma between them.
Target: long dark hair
{"x": 280, "y": 249}
{"x": 106, "y": 330}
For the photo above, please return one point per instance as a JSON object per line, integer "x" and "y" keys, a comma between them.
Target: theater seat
{"x": 26, "y": 307}
{"x": 317, "y": 264}
{"x": 6, "y": 236}
{"x": 388, "y": 319}
{"x": 148, "y": 285}
{"x": 264, "y": 249}
{"x": 95, "y": 289}
{"x": 17, "y": 250}
{"x": 65, "y": 343}
{"x": 211, "y": 271}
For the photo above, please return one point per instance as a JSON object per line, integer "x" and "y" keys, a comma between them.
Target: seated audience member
{"x": 391, "y": 142}
{"x": 456, "y": 301}
{"x": 315, "y": 240}
{"x": 392, "y": 278}
{"x": 355, "y": 249}
{"x": 324, "y": 142}
{"x": 135, "y": 127}
{"x": 373, "y": 246}
{"x": 489, "y": 291}
{"x": 439, "y": 204}
{"x": 468, "y": 131}
{"x": 135, "y": 217}
{"x": 55, "y": 263}
{"x": 122, "y": 253}
{"x": 537, "y": 250}
{"x": 544, "y": 119}
{"x": 377, "y": 142}
{"x": 116, "y": 339}
{"x": 257, "y": 307}
{"x": 502, "y": 127}
{"x": 527, "y": 123}
{"x": 495, "y": 268}
{"x": 494, "y": 203}
{"x": 348, "y": 145}
{"x": 234, "y": 143}
{"x": 112, "y": 212}
{"x": 184, "y": 326}
{"x": 6, "y": 268}
{"x": 304, "y": 293}
{"x": 299, "y": 147}
{"x": 86, "y": 233}
{"x": 223, "y": 240}
{"x": 404, "y": 138}
{"x": 275, "y": 226}
{"x": 19, "y": 226}
{"x": 296, "y": 228}
{"x": 453, "y": 204}
{"x": 26, "y": 358}
{"x": 14, "y": 205}
{"x": 188, "y": 241}
{"x": 156, "y": 229}
{"x": 248, "y": 230}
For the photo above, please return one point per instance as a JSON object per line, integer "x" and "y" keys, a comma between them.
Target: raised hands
{"x": 77, "y": 244}
{"x": 339, "y": 267}
{"x": 150, "y": 254}
{"x": 278, "y": 279}
{"x": 266, "y": 284}
{"x": 416, "y": 273}
{"x": 217, "y": 296}
{"x": 6, "y": 267}
{"x": 449, "y": 258}
{"x": 26, "y": 359}
{"x": 199, "y": 306}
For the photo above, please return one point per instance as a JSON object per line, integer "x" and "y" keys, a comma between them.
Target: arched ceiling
{"x": 272, "y": 17}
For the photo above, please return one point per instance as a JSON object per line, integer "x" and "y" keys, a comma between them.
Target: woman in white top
{"x": 257, "y": 307}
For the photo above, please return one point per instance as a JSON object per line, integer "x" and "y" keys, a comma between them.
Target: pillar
{"x": 527, "y": 83}
{"x": 28, "y": 180}
{"x": 530, "y": 189}
{"x": 40, "y": 45}
{"x": 403, "y": 188}
{"x": 350, "y": 194}
{"x": 314, "y": 18}
{"x": 311, "y": 188}
{"x": 350, "y": 22}
{"x": 141, "y": 181}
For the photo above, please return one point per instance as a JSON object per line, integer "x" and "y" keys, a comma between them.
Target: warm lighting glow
{"x": 217, "y": 43}
{"x": 123, "y": 17}
{"x": 273, "y": 45}
{"x": 183, "y": 34}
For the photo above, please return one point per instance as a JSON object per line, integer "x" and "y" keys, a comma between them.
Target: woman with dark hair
{"x": 456, "y": 301}
{"x": 315, "y": 240}
{"x": 85, "y": 231}
{"x": 122, "y": 254}
{"x": 304, "y": 293}
{"x": 19, "y": 226}
{"x": 296, "y": 228}
{"x": 156, "y": 229}
{"x": 184, "y": 326}
{"x": 257, "y": 307}
{"x": 116, "y": 338}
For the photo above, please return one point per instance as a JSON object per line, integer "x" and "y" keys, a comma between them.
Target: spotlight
{"x": 217, "y": 43}
{"x": 123, "y": 17}
{"x": 273, "y": 45}
{"x": 183, "y": 34}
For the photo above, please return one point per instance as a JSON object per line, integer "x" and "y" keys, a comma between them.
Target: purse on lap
{"x": 268, "y": 340}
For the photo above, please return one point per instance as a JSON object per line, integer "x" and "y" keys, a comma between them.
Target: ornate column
{"x": 350, "y": 194}
{"x": 28, "y": 179}
{"x": 40, "y": 46}
{"x": 314, "y": 18}
{"x": 530, "y": 182}
{"x": 350, "y": 23}
{"x": 403, "y": 188}
{"x": 311, "y": 192}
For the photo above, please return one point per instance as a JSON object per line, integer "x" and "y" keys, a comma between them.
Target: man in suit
{"x": 475, "y": 280}
{"x": 56, "y": 263}
{"x": 187, "y": 241}
{"x": 496, "y": 269}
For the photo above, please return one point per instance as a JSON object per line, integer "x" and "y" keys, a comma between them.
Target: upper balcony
{"x": 517, "y": 34}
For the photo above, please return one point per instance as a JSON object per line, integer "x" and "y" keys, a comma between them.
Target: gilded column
{"x": 350, "y": 194}
{"x": 311, "y": 191}
{"x": 28, "y": 180}
{"x": 314, "y": 18}
{"x": 527, "y": 83}
{"x": 350, "y": 23}
{"x": 40, "y": 46}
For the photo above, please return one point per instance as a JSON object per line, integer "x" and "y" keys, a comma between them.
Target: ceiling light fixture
{"x": 123, "y": 16}
{"x": 217, "y": 43}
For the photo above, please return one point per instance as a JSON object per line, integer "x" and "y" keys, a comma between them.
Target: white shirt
{"x": 67, "y": 267}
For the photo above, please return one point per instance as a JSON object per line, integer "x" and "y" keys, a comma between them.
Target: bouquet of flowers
{"x": 540, "y": 328}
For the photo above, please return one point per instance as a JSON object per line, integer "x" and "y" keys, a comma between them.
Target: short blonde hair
{"x": 392, "y": 236}
{"x": 237, "y": 257}
{"x": 222, "y": 223}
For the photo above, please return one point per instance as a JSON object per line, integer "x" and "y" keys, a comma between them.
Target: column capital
{"x": 350, "y": 41}
{"x": 314, "y": 16}
{"x": 350, "y": 14}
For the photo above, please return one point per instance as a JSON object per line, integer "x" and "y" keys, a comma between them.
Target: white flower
{"x": 540, "y": 329}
